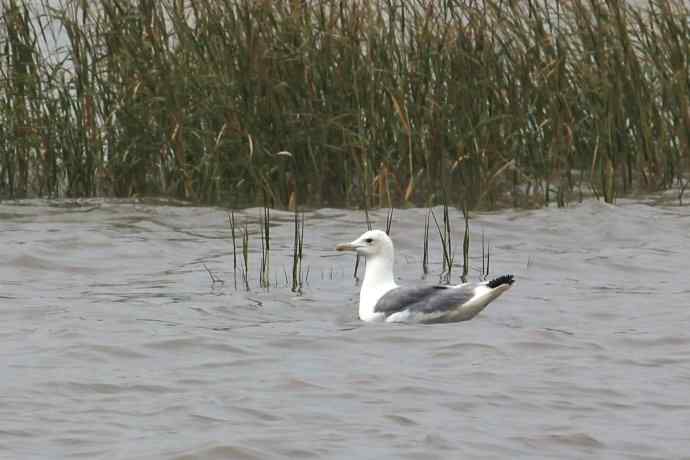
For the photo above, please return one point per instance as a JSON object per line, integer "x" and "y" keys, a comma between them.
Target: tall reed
{"x": 231, "y": 221}
{"x": 298, "y": 245}
{"x": 446, "y": 237}
{"x": 425, "y": 249}
{"x": 245, "y": 256}
{"x": 357, "y": 257}
{"x": 466, "y": 245}
{"x": 382, "y": 103}
{"x": 265, "y": 240}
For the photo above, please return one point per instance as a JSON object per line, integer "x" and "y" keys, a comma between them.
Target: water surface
{"x": 117, "y": 344}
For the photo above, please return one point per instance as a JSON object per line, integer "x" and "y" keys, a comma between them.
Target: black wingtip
{"x": 505, "y": 279}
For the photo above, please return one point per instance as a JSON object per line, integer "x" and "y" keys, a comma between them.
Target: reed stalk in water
{"x": 245, "y": 255}
{"x": 298, "y": 243}
{"x": 264, "y": 236}
{"x": 465, "y": 245}
{"x": 389, "y": 221}
{"x": 448, "y": 237}
{"x": 231, "y": 221}
{"x": 486, "y": 258}
{"x": 445, "y": 236}
{"x": 368, "y": 222}
{"x": 425, "y": 250}
{"x": 214, "y": 279}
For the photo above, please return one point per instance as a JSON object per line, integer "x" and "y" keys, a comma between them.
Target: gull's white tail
{"x": 484, "y": 294}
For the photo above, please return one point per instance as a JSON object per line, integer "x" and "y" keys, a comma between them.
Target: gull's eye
{"x": 368, "y": 240}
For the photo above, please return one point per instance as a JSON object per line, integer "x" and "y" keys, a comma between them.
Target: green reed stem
{"x": 465, "y": 245}
{"x": 245, "y": 255}
{"x": 425, "y": 251}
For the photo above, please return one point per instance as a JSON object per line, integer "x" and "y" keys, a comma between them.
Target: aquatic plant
{"x": 389, "y": 221}
{"x": 214, "y": 279}
{"x": 245, "y": 256}
{"x": 486, "y": 258}
{"x": 466, "y": 244}
{"x": 231, "y": 221}
{"x": 265, "y": 240}
{"x": 490, "y": 102}
{"x": 368, "y": 222}
{"x": 425, "y": 248}
{"x": 297, "y": 247}
{"x": 446, "y": 237}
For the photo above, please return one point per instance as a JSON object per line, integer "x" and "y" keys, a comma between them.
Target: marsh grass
{"x": 214, "y": 279}
{"x": 466, "y": 245}
{"x": 231, "y": 221}
{"x": 355, "y": 273}
{"x": 356, "y": 103}
{"x": 683, "y": 186}
{"x": 298, "y": 245}
{"x": 245, "y": 256}
{"x": 446, "y": 237}
{"x": 265, "y": 241}
{"x": 486, "y": 258}
{"x": 425, "y": 247}
{"x": 300, "y": 275}
{"x": 389, "y": 221}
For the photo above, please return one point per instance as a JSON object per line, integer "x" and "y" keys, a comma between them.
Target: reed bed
{"x": 261, "y": 237}
{"x": 375, "y": 104}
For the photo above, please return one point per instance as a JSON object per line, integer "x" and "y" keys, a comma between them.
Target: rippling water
{"x": 117, "y": 345}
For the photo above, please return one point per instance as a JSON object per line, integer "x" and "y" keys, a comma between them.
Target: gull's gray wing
{"x": 427, "y": 300}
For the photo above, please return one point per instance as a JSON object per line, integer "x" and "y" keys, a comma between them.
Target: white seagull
{"x": 381, "y": 299}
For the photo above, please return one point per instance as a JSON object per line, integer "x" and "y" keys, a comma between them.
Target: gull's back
{"x": 426, "y": 304}
{"x": 437, "y": 304}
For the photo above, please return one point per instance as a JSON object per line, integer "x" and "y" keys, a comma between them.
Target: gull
{"x": 381, "y": 299}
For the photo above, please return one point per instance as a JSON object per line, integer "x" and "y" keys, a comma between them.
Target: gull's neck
{"x": 378, "y": 279}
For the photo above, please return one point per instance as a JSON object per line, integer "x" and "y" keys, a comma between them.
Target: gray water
{"x": 116, "y": 344}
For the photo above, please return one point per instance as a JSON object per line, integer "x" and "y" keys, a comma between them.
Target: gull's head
{"x": 370, "y": 244}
